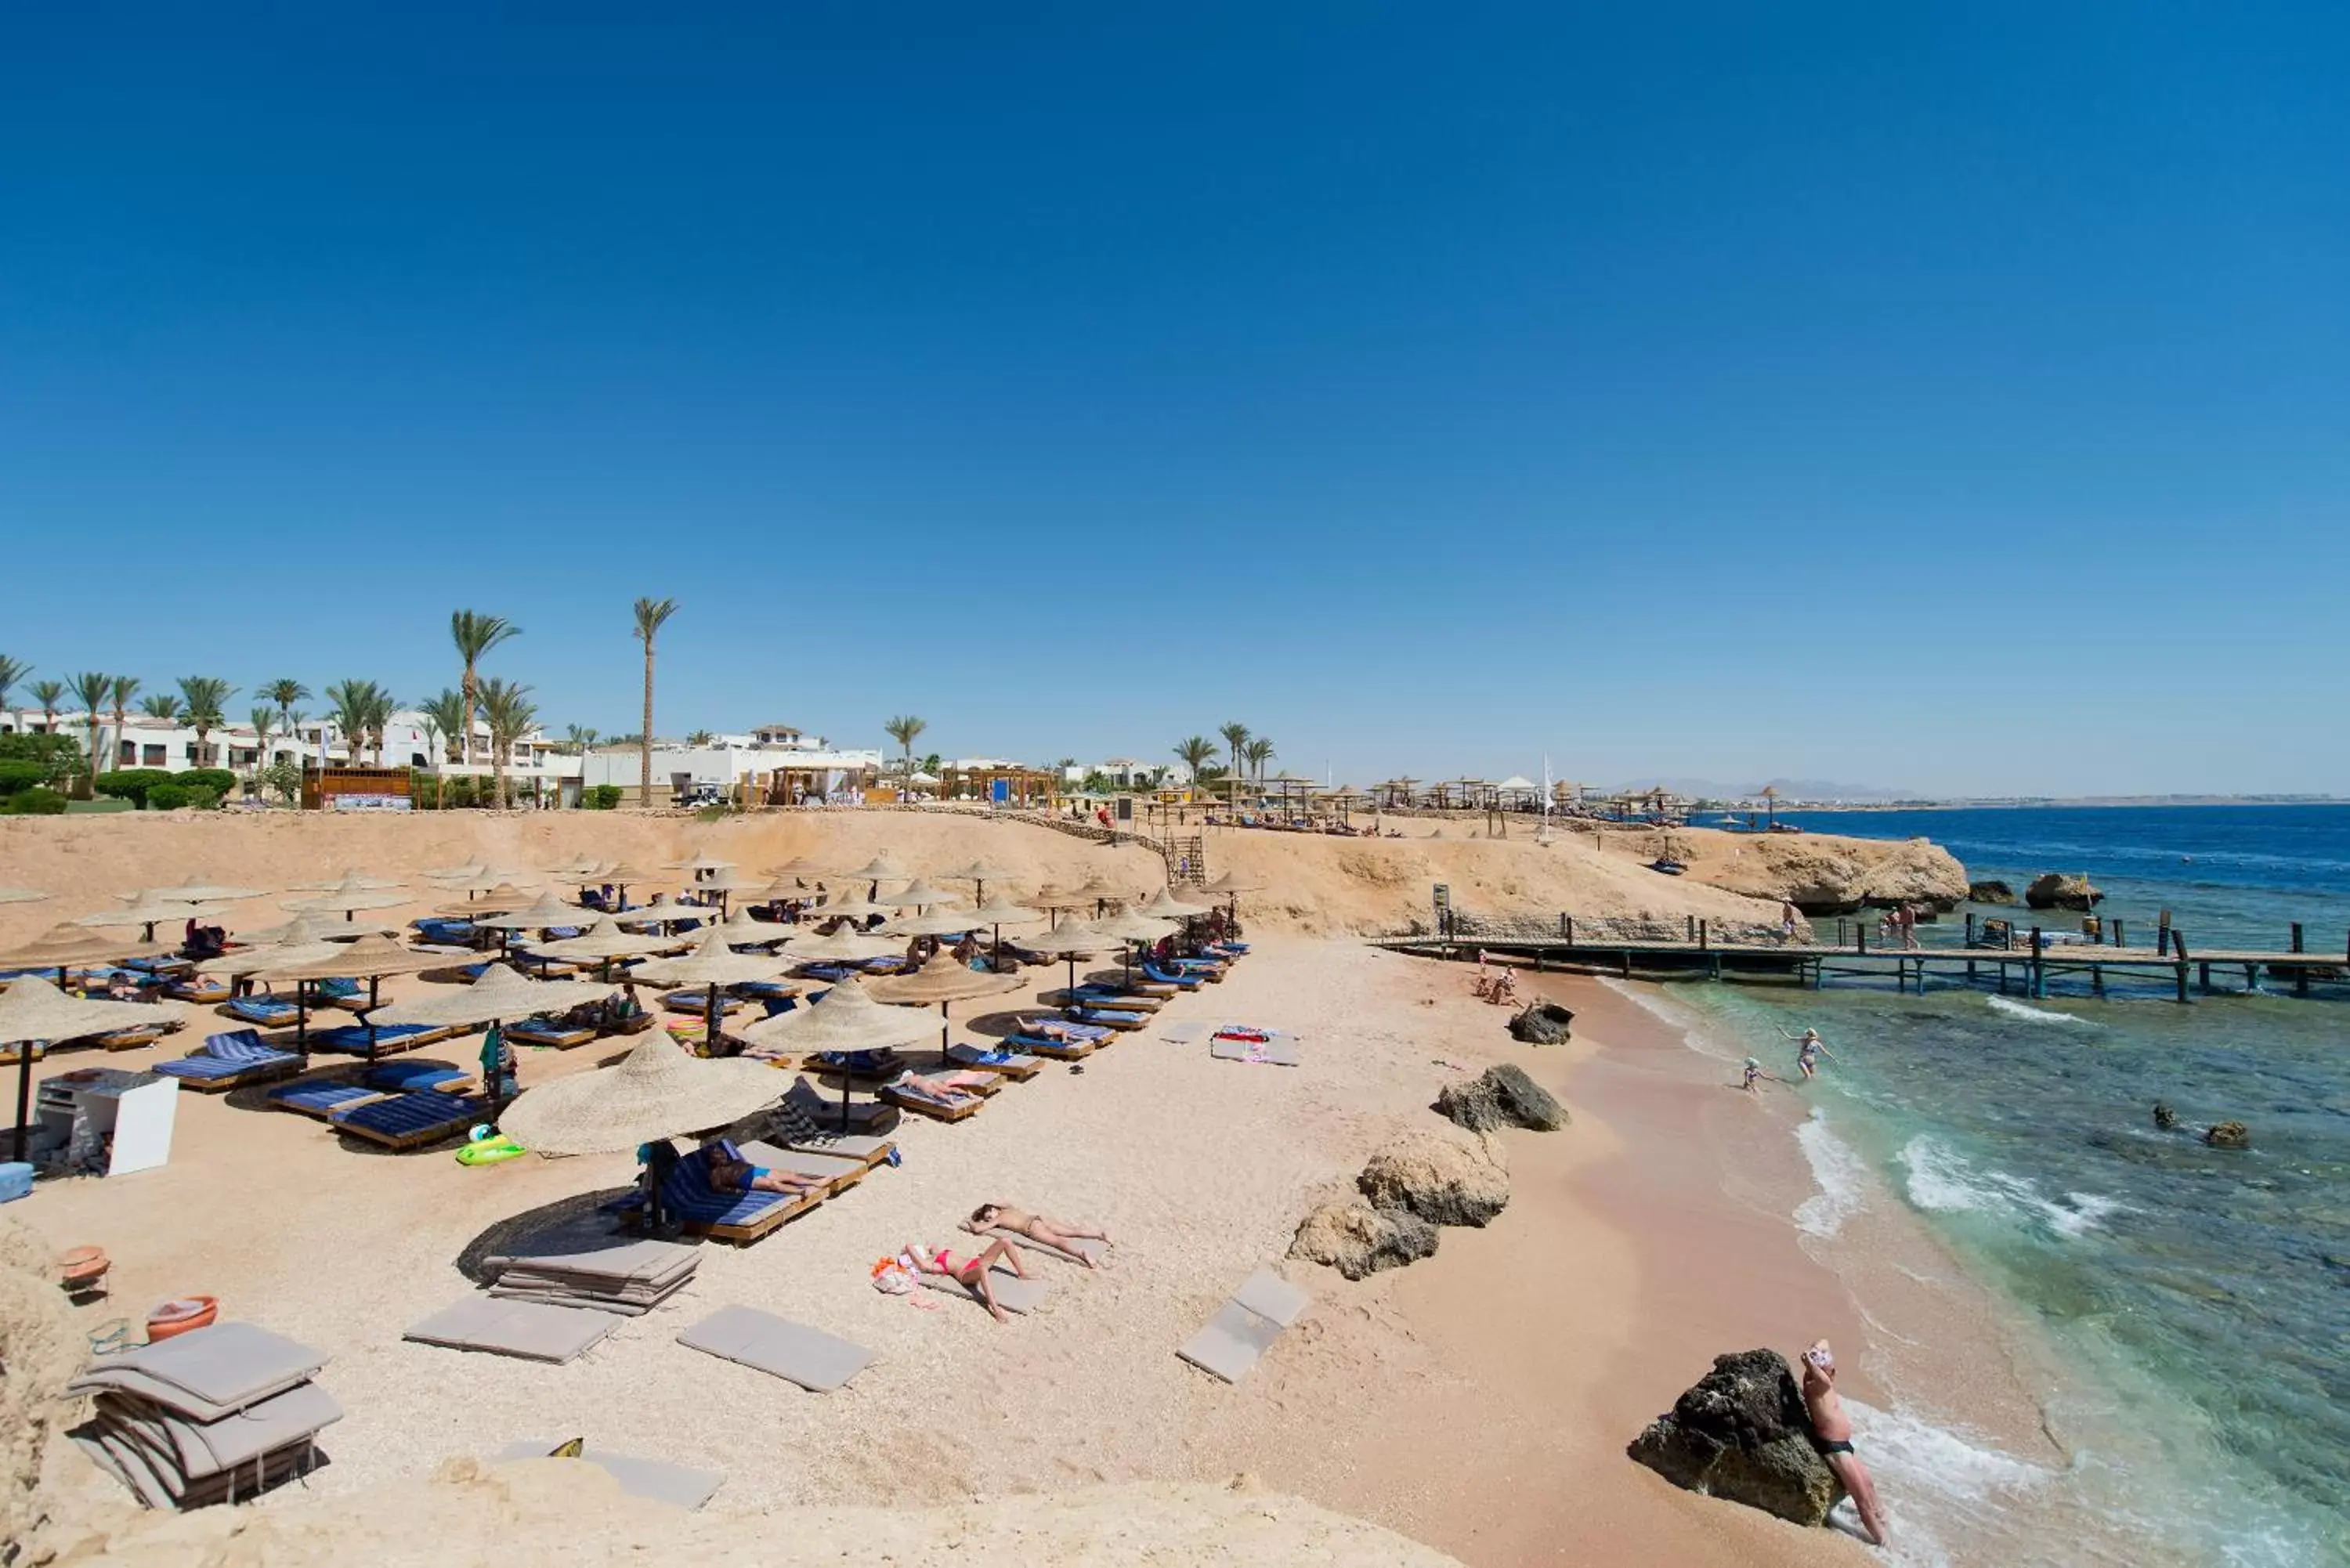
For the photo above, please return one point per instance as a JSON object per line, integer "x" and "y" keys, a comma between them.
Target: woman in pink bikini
{"x": 970, "y": 1274}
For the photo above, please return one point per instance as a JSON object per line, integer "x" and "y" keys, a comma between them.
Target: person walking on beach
{"x": 1832, "y": 1435}
{"x": 1809, "y": 1049}
{"x": 1755, "y": 1075}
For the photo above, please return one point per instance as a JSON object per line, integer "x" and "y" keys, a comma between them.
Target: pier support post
{"x": 1692, "y": 929}
{"x": 1704, "y": 939}
{"x": 2182, "y": 980}
{"x": 2301, "y": 972}
{"x": 2096, "y": 980}
{"x": 1570, "y": 929}
{"x": 2203, "y": 974}
{"x": 2121, "y": 935}
{"x": 2162, "y": 934}
{"x": 1627, "y": 963}
{"x": 2039, "y": 983}
{"x": 1971, "y": 930}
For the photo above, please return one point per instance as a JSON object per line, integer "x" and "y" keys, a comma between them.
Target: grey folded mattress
{"x": 197, "y": 1449}
{"x": 206, "y": 1372}
{"x": 534, "y": 1330}
{"x": 816, "y": 1361}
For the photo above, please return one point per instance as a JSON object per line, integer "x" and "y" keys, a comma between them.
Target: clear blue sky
{"x": 1952, "y": 397}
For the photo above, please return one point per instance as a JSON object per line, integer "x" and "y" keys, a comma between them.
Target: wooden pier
{"x": 2025, "y": 971}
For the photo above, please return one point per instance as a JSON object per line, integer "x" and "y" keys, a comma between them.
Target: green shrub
{"x": 205, "y": 799}
{"x": 601, "y": 797}
{"x": 35, "y": 802}
{"x": 131, "y": 784}
{"x": 283, "y": 780}
{"x": 219, "y": 781}
{"x": 17, "y": 774}
{"x": 166, "y": 797}
{"x": 58, "y": 756}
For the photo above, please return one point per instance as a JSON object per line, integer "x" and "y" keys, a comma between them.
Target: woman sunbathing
{"x": 1057, "y": 1233}
{"x": 953, "y": 1088}
{"x": 729, "y": 1172}
{"x": 970, "y": 1274}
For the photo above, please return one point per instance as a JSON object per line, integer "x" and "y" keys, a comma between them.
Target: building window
{"x": 152, "y": 756}
{"x": 126, "y": 753}
{"x": 416, "y": 759}
{"x": 240, "y": 756}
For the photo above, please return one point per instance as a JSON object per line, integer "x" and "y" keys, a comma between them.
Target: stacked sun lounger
{"x": 606, "y": 1272}
{"x": 212, "y": 1416}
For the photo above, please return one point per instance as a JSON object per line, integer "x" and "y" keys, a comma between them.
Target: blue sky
{"x": 1943, "y": 396}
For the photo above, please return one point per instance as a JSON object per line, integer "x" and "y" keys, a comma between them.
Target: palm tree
{"x": 381, "y": 705}
{"x": 1236, "y": 736}
{"x": 264, "y": 720}
{"x": 92, "y": 690}
{"x": 650, "y": 615}
{"x": 1257, "y": 752}
{"x": 48, "y": 694}
{"x": 902, "y": 730}
{"x": 125, "y": 687}
{"x": 350, "y": 714}
{"x": 285, "y": 693}
{"x": 507, "y": 707}
{"x": 476, "y": 634}
{"x": 581, "y": 739}
{"x": 1193, "y": 751}
{"x": 161, "y": 705}
{"x": 443, "y": 714}
{"x": 206, "y": 697}
{"x": 12, "y": 673}
{"x": 699, "y": 738}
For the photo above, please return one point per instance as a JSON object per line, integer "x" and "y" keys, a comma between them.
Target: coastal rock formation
{"x": 1741, "y": 1434}
{"x": 1989, "y": 892}
{"x": 2228, "y": 1135}
{"x": 1541, "y": 1023}
{"x": 1441, "y": 1179}
{"x": 1501, "y": 1096}
{"x": 2056, "y": 890}
{"x": 1824, "y": 876}
{"x": 39, "y": 1351}
{"x": 1358, "y": 1239}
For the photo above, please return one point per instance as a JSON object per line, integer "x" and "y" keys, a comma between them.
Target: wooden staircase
{"x": 1187, "y": 859}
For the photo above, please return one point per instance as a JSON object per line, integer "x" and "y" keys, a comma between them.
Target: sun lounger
{"x": 550, "y": 1031}
{"x": 1013, "y": 1065}
{"x": 839, "y": 1172}
{"x": 229, "y": 1061}
{"x": 634, "y": 1024}
{"x": 172, "y": 1461}
{"x": 1207, "y": 968}
{"x": 868, "y": 1121}
{"x": 1179, "y": 979}
{"x": 1064, "y": 1029}
{"x": 949, "y": 1107}
{"x": 1245, "y": 1327}
{"x": 1123, "y": 1020}
{"x": 268, "y": 1012}
{"x": 532, "y": 1331}
{"x": 816, "y": 1361}
{"x": 1013, "y": 1293}
{"x": 698, "y": 1002}
{"x": 1276, "y": 1051}
{"x": 136, "y": 1039}
{"x": 1058, "y": 1050}
{"x": 351, "y": 1039}
{"x": 589, "y": 1265}
{"x": 320, "y": 1097}
{"x": 203, "y": 990}
{"x": 549, "y": 967}
{"x": 872, "y": 1066}
{"x": 727, "y": 1216}
{"x": 1111, "y": 996}
{"x": 764, "y": 990}
{"x": 657, "y": 1480}
{"x": 449, "y": 933}
{"x": 407, "y": 1077}
{"x": 412, "y": 1120}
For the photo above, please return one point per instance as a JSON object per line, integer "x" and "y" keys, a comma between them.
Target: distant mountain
{"x": 1789, "y": 789}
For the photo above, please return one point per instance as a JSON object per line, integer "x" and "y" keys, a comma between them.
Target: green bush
{"x": 285, "y": 781}
{"x": 15, "y": 774}
{"x": 601, "y": 797}
{"x": 219, "y": 781}
{"x": 35, "y": 802}
{"x": 205, "y": 799}
{"x": 131, "y": 784}
{"x": 58, "y": 756}
{"x": 166, "y": 797}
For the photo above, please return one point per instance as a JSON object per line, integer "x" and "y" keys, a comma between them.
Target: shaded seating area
{"x": 358, "y": 1039}
{"x": 411, "y": 1121}
{"x": 262, "y": 1008}
{"x": 231, "y": 1061}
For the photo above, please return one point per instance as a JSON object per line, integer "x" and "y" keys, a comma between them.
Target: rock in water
{"x": 2055, "y": 890}
{"x": 2228, "y": 1135}
{"x": 1503, "y": 1097}
{"x": 1443, "y": 1181}
{"x": 2164, "y": 1117}
{"x": 1541, "y": 1023}
{"x": 1993, "y": 892}
{"x": 1356, "y": 1239}
{"x": 1741, "y": 1433}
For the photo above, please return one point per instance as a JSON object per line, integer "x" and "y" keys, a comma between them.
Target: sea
{"x": 2197, "y": 1299}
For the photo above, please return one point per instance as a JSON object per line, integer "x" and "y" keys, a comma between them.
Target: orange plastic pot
{"x": 177, "y": 1317}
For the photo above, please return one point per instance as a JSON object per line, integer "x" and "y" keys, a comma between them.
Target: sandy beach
{"x": 1478, "y": 1402}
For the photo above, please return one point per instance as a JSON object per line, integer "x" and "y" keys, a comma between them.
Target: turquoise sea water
{"x": 2202, "y": 1295}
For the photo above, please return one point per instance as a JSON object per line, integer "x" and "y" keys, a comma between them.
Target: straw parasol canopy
{"x": 845, "y": 1018}
{"x": 501, "y": 993}
{"x": 252, "y": 960}
{"x": 194, "y": 890}
{"x": 937, "y": 923}
{"x": 981, "y": 871}
{"x": 774, "y": 892}
{"x": 880, "y": 869}
{"x": 1166, "y": 906}
{"x": 494, "y": 879}
{"x": 1071, "y": 939}
{"x": 624, "y": 875}
{"x": 578, "y": 866}
{"x": 799, "y": 867}
{"x": 660, "y": 911}
{"x": 464, "y": 873}
{"x": 25, "y": 895}
{"x": 1225, "y": 886}
{"x": 62, "y": 947}
{"x": 1098, "y": 891}
{"x": 546, "y": 911}
{"x": 1050, "y": 898}
{"x": 32, "y": 1009}
{"x": 606, "y": 939}
{"x": 1191, "y": 896}
{"x": 843, "y": 947}
{"x": 711, "y": 964}
{"x": 701, "y": 863}
{"x": 346, "y": 900}
{"x": 856, "y": 909}
{"x": 741, "y": 931}
{"x": 917, "y": 894}
{"x": 1126, "y": 925}
{"x": 657, "y": 1092}
{"x": 503, "y": 896}
{"x": 315, "y": 928}
{"x": 369, "y": 958}
{"x": 352, "y": 880}
{"x": 149, "y": 911}
{"x": 1005, "y": 912}
{"x": 942, "y": 980}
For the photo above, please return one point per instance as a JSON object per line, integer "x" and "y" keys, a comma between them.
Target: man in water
{"x": 1832, "y": 1435}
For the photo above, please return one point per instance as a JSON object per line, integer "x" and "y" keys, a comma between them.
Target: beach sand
{"x": 1478, "y": 1401}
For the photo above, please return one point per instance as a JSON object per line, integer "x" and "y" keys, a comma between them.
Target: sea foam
{"x": 1943, "y": 1180}
{"x": 2036, "y": 1014}
{"x": 1838, "y": 1170}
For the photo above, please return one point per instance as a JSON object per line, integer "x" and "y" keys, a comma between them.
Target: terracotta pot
{"x": 177, "y": 1317}
{"x": 79, "y": 1266}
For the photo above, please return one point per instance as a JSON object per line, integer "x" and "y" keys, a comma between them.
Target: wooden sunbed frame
{"x": 923, "y": 1107}
{"x": 265, "y": 1073}
{"x": 1120, "y": 1025}
{"x": 210, "y": 992}
{"x": 773, "y": 1219}
{"x": 568, "y": 1038}
{"x": 816, "y": 1068}
{"x": 400, "y": 1143}
{"x": 137, "y": 1038}
{"x": 1018, "y": 1072}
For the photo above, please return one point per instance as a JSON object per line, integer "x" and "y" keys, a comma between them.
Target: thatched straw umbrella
{"x": 1167, "y": 906}
{"x": 194, "y": 890}
{"x": 979, "y": 873}
{"x": 1001, "y": 913}
{"x": 346, "y": 898}
{"x": 1129, "y": 928}
{"x": 662, "y": 911}
{"x": 945, "y": 979}
{"x": 917, "y": 894}
{"x": 623, "y": 877}
{"x": 146, "y": 913}
{"x": 491, "y": 900}
{"x": 502, "y": 993}
{"x": 1101, "y": 895}
{"x": 1071, "y": 939}
{"x": 303, "y": 929}
{"x": 351, "y": 880}
{"x": 852, "y": 908}
{"x": 713, "y": 964}
{"x": 61, "y": 948}
{"x": 461, "y": 873}
{"x": 33, "y": 1011}
{"x": 606, "y": 943}
{"x": 22, "y": 895}
{"x": 845, "y": 1018}
{"x": 841, "y": 947}
{"x": 546, "y": 912}
{"x": 879, "y": 870}
{"x": 800, "y": 867}
{"x": 368, "y": 958}
{"x": 937, "y": 923}
{"x": 742, "y": 931}
{"x": 657, "y": 1092}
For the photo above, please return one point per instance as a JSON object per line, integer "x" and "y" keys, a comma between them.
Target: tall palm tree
{"x": 1194, "y": 751}
{"x": 507, "y": 707}
{"x": 902, "y": 730}
{"x": 651, "y": 616}
{"x": 285, "y": 694}
{"x": 12, "y": 674}
{"x": 444, "y": 714}
{"x": 581, "y": 739}
{"x": 1258, "y": 752}
{"x": 380, "y": 706}
{"x": 161, "y": 705}
{"x": 124, "y": 688}
{"x": 476, "y": 634}
{"x": 92, "y": 690}
{"x": 207, "y": 699}
{"x": 1236, "y": 736}
{"x": 48, "y": 694}
{"x": 350, "y": 714}
{"x": 265, "y": 721}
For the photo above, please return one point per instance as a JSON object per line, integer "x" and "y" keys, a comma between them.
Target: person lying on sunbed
{"x": 1059, "y": 1029}
{"x": 1037, "y": 1227}
{"x": 972, "y": 1273}
{"x": 729, "y": 1172}
{"x": 951, "y": 1087}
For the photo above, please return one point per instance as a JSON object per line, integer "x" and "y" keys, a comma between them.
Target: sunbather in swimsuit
{"x": 953, "y": 1088}
{"x": 729, "y": 1172}
{"x": 972, "y": 1273}
{"x": 1057, "y": 1233}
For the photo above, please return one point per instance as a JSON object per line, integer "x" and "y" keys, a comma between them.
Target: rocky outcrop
{"x": 39, "y": 1351}
{"x": 1441, "y": 1179}
{"x": 2055, "y": 890}
{"x": 1824, "y": 876}
{"x": 1741, "y": 1434}
{"x": 1989, "y": 892}
{"x": 1543, "y": 1023}
{"x": 1358, "y": 1239}
{"x": 1501, "y": 1096}
{"x": 2228, "y": 1135}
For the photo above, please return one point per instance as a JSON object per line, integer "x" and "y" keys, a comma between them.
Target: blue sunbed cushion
{"x": 1172, "y": 977}
{"x": 403, "y": 1077}
{"x": 338, "y": 987}
{"x": 264, "y": 1010}
{"x": 319, "y": 1094}
{"x": 688, "y": 1195}
{"x": 427, "y": 1110}
{"x": 239, "y": 1045}
{"x": 351, "y": 1039}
